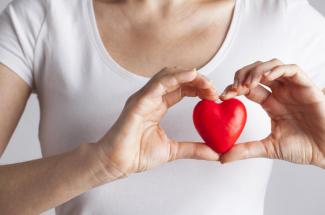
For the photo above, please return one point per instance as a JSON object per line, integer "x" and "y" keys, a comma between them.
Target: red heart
{"x": 220, "y": 125}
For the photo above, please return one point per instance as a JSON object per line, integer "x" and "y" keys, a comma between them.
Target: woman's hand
{"x": 297, "y": 110}
{"x": 136, "y": 142}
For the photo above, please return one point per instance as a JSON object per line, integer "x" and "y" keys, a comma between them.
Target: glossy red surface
{"x": 220, "y": 125}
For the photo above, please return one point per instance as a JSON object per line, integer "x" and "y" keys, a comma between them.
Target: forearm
{"x": 35, "y": 186}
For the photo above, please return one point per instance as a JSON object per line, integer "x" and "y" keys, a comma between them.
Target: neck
{"x": 153, "y": 10}
{"x": 155, "y": 3}
{"x": 164, "y": 7}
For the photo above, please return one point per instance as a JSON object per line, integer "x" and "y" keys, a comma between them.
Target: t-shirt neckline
{"x": 95, "y": 37}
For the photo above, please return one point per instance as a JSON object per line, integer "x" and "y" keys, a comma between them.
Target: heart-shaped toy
{"x": 220, "y": 125}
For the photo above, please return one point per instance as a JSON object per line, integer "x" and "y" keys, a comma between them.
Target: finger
{"x": 241, "y": 74}
{"x": 167, "y": 81}
{"x": 231, "y": 92}
{"x": 291, "y": 73}
{"x": 207, "y": 94}
{"x": 255, "y": 75}
{"x": 255, "y": 149}
{"x": 192, "y": 150}
{"x": 259, "y": 94}
{"x": 203, "y": 85}
{"x": 200, "y": 86}
{"x": 176, "y": 96}
{"x": 201, "y": 82}
{"x": 188, "y": 91}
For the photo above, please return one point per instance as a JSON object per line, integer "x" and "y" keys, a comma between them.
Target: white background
{"x": 293, "y": 189}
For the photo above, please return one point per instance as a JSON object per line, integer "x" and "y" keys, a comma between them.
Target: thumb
{"x": 192, "y": 150}
{"x": 254, "y": 149}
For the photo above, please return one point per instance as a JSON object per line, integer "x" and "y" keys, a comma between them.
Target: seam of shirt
{"x": 37, "y": 39}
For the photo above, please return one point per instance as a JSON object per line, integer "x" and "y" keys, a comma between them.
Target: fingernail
{"x": 193, "y": 71}
{"x": 223, "y": 94}
{"x": 223, "y": 98}
{"x": 190, "y": 70}
{"x": 229, "y": 95}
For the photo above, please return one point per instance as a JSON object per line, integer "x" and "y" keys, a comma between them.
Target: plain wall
{"x": 293, "y": 189}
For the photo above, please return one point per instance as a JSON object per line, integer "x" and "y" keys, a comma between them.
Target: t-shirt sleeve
{"x": 20, "y": 24}
{"x": 306, "y": 34}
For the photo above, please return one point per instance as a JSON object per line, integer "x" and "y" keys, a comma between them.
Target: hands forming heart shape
{"x": 137, "y": 142}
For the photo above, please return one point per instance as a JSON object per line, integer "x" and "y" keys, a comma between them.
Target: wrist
{"x": 99, "y": 166}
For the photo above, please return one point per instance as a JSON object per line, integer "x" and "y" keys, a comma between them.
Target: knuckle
{"x": 173, "y": 79}
{"x": 256, "y": 70}
{"x": 173, "y": 151}
{"x": 239, "y": 73}
{"x": 130, "y": 101}
{"x": 277, "y": 61}
{"x": 168, "y": 70}
{"x": 162, "y": 73}
{"x": 165, "y": 69}
{"x": 166, "y": 80}
{"x": 136, "y": 98}
{"x": 131, "y": 98}
{"x": 278, "y": 67}
{"x": 296, "y": 67}
{"x": 160, "y": 85}
{"x": 196, "y": 152}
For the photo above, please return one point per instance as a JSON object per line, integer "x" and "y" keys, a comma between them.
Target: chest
{"x": 147, "y": 47}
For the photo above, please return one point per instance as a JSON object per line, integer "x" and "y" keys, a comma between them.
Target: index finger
{"x": 167, "y": 81}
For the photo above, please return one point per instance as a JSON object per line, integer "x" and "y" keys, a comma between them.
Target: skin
{"x": 296, "y": 108}
{"x": 179, "y": 33}
{"x": 136, "y": 142}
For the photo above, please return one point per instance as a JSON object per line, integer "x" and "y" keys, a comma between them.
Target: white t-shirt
{"x": 56, "y": 48}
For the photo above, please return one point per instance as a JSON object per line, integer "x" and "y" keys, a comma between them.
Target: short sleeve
{"x": 20, "y": 24}
{"x": 306, "y": 31}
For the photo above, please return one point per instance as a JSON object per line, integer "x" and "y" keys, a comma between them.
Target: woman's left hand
{"x": 296, "y": 108}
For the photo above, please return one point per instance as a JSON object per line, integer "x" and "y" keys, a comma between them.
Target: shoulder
{"x": 290, "y": 3}
{"x": 41, "y": 7}
{"x": 289, "y": 10}
{"x": 33, "y": 14}
{"x": 264, "y": 5}
{"x": 300, "y": 13}
{"x": 276, "y": 5}
{"x": 24, "y": 7}
{"x": 24, "y": 12}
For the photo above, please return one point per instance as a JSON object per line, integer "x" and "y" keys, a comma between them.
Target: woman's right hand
{"x": 136, "y": 142}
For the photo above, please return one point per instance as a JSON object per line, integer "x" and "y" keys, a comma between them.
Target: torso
{"x": 84, "y": 79}
{"x": 144, "y": 43}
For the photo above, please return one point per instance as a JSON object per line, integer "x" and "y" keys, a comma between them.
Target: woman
{"x": 85, "y": 58}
